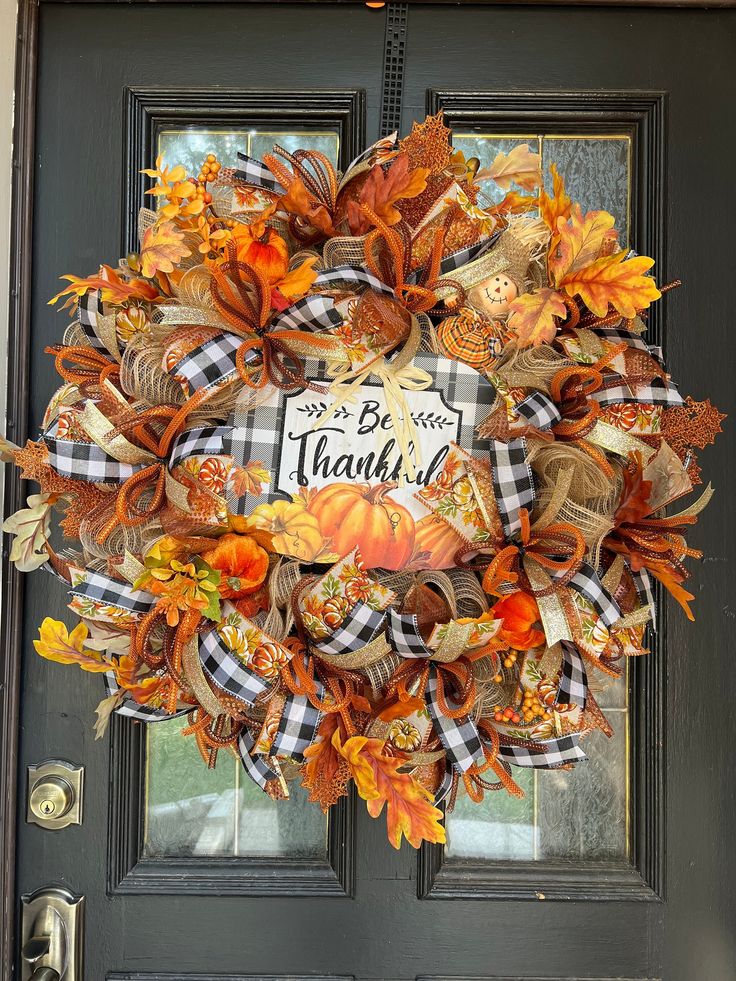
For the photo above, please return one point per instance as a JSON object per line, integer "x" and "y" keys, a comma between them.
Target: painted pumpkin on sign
{"x": 435, "y": 536}
{"x": 357, "y": 514}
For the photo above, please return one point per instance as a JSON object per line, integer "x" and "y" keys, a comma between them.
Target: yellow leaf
{"x": 580, "y": 241}
{"x": 532, "y": 316}
{"x": 520, "y": 166}
{"x": 161, "y": 249}
{"x": 614, "y": 280}
{"x": 57, "y": 644}
{"x": 409, "y": 811}
{"x": 557, "y": 206}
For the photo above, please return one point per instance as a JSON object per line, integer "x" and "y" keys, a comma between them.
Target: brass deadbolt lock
{"x": 55, "y": 794}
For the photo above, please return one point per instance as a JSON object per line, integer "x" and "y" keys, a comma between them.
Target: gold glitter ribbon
{"x": 551, "y": 612}
{"x": 194, "y": 674}
{"x": 98, "y": 427}
{"x": 370, "y": 654}
{"x": 616, "y": 441}
{"x": 454, "y": 642}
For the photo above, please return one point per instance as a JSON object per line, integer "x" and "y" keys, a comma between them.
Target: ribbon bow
{"x": 557, "y": 549}
{"x": 396, "y": 377}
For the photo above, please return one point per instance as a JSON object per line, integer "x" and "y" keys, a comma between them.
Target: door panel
{"x": 640, "y": 125}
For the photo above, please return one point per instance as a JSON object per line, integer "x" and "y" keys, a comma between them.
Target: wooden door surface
{"x": 627, "y": 874}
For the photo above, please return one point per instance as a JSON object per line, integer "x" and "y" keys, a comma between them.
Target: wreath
{"x": 364, "y": 473}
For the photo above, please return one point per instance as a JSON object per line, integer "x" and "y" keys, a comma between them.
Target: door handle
{"x": 51, "y": 937}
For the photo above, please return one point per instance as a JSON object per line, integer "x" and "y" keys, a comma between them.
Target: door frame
{"x": 12, "y": 784}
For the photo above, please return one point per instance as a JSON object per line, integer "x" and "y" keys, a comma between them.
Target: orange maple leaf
{"x": 520, "y": 166}
{"x": 162, "y": 248}
{"x": 579, "y": 241}
{"x": 616, "y": 281}
{"x": 556, "y": 206}
{"x": 326, "y": 772}
{"x": 249, "y": 479}
{"x": 532, "y": 316}
{"x": 382, "y": 189}
{"x": 409, "y": 811}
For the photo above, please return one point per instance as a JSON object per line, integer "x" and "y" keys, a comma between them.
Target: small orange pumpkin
{"x": 268, "y": 659}
{"x": 441, "y": 541}
{"x": 242, "y": 564}
{"x": 358, "y": 514}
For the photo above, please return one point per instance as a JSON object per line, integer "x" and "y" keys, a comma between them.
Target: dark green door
{"x": 624, "y": 869}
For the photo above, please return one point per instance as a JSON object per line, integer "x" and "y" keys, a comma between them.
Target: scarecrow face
{"x": 492, "y": 296}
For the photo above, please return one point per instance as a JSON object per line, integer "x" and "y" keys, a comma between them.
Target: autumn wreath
{"x": 362, "y": 473}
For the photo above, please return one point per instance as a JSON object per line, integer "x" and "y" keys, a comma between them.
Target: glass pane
{"x": 580, "y": 814}
{"x": 195, "y": 812}
{"x": 190, "y": 145}
{"x": 190, "y": 810}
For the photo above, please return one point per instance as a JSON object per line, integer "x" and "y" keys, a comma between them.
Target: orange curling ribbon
{"x": 419, "y": 297}
{"x": 558, "y": 548}
{"x": 282, "y": 352}
{"x": 92, "y": 366}
{"x": 127, "y": 510}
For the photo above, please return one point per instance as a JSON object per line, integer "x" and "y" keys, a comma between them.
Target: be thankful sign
{"x": 358, "y": 441}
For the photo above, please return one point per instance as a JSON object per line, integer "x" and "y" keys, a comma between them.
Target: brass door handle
{"x": 52, "y": 936}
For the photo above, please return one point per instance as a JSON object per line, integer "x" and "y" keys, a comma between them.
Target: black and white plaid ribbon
{"x": 89, "y": 308}
{"x": 404, "y": 636}
{"x": 210, "y": 364}
{"x": 656, "y": 392}
{"x": 459, "y": 737}
{"x": 643, "y": 584}
{"x": 587, "y": 582}
{"x": 539, "y": 410}
{"x": 85, "y": 461}
{"x": 203, "y": 441}
{"x": 513, "y": 482}
{"x": 360, "y": 627}
{"x": 256, "y": 174}
{"x": 546, "y": 755}
{"x": 573, "y": 689}
{"x": 355, "y": 276}
{"x": 257, "y": 767}
{"x": 298, "y": 724}
{"x": 100, "y": 588}
{"x": 132, "y": 709}
{"x": 226, "y": 670}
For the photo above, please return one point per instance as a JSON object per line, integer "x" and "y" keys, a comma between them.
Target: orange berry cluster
{"x": 507, "y": 714}
{"x": 532, "y": 708}
{"x": 209, "y": 169}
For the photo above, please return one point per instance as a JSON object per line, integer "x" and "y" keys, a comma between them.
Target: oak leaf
{"x": 635, "y": 493}
{"x": 579, "y": 241}
{"x": 555, "y": 206}
{"x": 104, "y": 712}
{"x": 520, "y": 166}
{"x": 55, "y": 643}
{"x": 409, "y": 811}
{"x": 162, "y": 247}
{"x": 30, "y": 526}
{"x": 616, "y": 281}
{"x": 532, "y": 316}
{"x": 382, "y": 189}
{"x": 514, "y": 203}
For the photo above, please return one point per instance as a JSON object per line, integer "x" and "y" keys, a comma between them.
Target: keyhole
{"x": 47, "y": 807}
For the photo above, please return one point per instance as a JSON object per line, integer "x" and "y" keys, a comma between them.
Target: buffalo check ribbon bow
{"x": 446, "y": 682}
